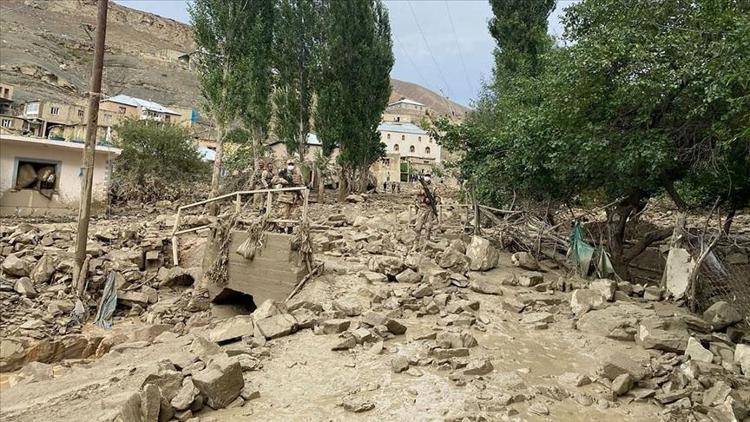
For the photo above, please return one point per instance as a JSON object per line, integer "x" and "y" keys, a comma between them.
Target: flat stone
{"x": 537, "y": 317}
{"x": 422, "y": 290}
{"x": 478, "y": 367}
{"x": 25, "y": 287}
{"x": 622, "y": 384}
{"x": 485, "y": 287}
{"x": 374, "y": 277}
{"x": 395, "y": 327}
{"x": 232, "y": 329}
{"x": 373, "y": 318}
{"x": 524, "y": 260}
{"x": 618, "y": 363}
{"x": 408, "y": 276}
{"x": 349, "y": 305}
{"x": 716, "y": 395}
{"x": 512, "y": 304}
{"x": 276, "y": 326}
{"x": 335, "y": 326}
{"x": 351, "y": 404}
{"x": 575, "y": 379}
{"x": 530, "y": 279}
{"x": 16, "y": 266}
{"x": 697, "y": 352}
{"x": 185, "y": 395}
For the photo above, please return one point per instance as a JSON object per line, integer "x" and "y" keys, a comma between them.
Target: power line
{"x": 432, "y": 56}
{"x": 458, "y": 46}
{"x": 422, "y": 79}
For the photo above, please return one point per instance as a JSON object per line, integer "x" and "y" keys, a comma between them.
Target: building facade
{"x": 43, "y": 176}
{"x": 410, "y": 150}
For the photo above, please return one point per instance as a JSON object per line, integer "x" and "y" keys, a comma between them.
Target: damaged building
{"x": 43, "y": 177}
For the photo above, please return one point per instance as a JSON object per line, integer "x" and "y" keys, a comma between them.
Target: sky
{"x": 443, "y": 45}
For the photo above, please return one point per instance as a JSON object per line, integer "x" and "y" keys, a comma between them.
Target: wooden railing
{"x": 238, "y": 207}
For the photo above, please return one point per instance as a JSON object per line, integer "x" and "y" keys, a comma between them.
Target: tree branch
{"x": 645, "y": 242}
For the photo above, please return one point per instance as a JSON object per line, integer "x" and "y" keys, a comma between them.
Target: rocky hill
{"x": 46, "y": 49}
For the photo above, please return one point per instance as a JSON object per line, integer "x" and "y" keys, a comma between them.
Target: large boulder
{"x": 742, "y": 358}
{"x": 615, "y": 322}
{"x": 721, "y": 314}
{"x": 662, "y": 334}
{"x": 16, "y": 266}
{"x": 584, "y": 300}
{"x": 697, "y": 352}
{"x": 606, "y": 287}
{"x": 524, "y": 260}
{"x": 454, "y": 260}
{"x": 388, "y": 265}
{"x": 232, "y": 329}
{"x": 43, "y": 270}
{"x": 276, "y": 326}
{"x": 615, "y": 364}
{"x": 221, "y": 382}
{"x": 482, "y": 255}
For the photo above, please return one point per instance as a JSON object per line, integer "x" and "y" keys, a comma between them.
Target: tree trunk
{"x": 728, "y": 220}
{"x": 343, "y": 184}
{"x": 617, "y": 218}
{"x": 216, "y": 173}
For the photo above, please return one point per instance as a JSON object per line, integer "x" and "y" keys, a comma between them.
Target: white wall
{"x": 68, "y": 176}
{"x": 411, "y": 140}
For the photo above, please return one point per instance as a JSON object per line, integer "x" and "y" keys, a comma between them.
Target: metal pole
{"x": 95, "y": 87}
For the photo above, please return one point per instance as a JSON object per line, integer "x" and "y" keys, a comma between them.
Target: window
{"x": 38, "y": 175}
{"x": 32, "y": 108}
{"x": 121, "y": 110}
{"x": 388, "y": 136}
{"x": 427, "y": 150}
{"x": 54, "y": 111}
{"x": 7, "y": 123}
{"x": 398, "y": 118}
{"x": 419, "y": 138}
{"x": 107, "y": 117}
{"x": 6, "y": 92}
{"x": 166, "y": 118}
{"x": 403, "y": 137}
{"x": 395, "y": 147}
{"x": 80, "y": 113}
{"x": 412, "y": 149}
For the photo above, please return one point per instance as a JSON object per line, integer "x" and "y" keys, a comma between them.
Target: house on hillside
{"x": 409, "y": 150}
{"x": 6, "y": 98}
{"x": 43, "y": 176}
{"x": 405, "y": 111}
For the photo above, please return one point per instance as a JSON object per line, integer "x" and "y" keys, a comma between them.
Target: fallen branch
{"x": 304, "y": 280}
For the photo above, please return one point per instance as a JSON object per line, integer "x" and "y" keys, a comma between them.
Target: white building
{"x": 23, "y": 161}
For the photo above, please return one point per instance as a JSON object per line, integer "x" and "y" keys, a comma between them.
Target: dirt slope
{"x": 46, "y": 49}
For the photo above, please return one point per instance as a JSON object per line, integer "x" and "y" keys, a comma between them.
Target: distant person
{"x": 426, "y": 215}
{"x": 287, "y": 178}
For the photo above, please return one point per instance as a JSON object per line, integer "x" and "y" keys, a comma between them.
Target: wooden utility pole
{"x": 95, "y": 88}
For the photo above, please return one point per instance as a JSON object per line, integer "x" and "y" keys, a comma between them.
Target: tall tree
{"x": 355, "y": 85}
{"x": 296, "y": 42}
{"x": 223, "y": 34}
{"x": 257, "y": 69}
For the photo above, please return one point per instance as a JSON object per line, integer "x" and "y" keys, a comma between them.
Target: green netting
{"x": 581, "y": 252}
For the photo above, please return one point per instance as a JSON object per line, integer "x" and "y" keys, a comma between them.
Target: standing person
{"x": 257, "y": 184}
{"x": 426, "y": 215}
{"x": 287, "y": 178}
{"x": 266, "y": 178}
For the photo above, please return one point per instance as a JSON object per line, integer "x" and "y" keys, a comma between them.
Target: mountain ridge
{"x": 47, "y": 46}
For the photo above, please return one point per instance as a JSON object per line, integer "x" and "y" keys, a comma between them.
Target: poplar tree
{"x": 223, "y": 36}
{"x": 295, "y": 46}
{"x": 355, "y": 85}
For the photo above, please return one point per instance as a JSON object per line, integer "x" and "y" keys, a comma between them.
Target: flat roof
{"x": 54, "y": 143}
{"x": 137, "y": 102}
{"x": 401, "y": 128}
{"x": 406, "y": 101}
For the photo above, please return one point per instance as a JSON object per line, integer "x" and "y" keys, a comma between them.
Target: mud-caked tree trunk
{"x": 617, "y": 219}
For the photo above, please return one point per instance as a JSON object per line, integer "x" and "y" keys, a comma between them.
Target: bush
{"x": 156, "y": 158}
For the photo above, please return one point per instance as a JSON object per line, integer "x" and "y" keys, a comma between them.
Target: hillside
{"x": 46, "y": 49}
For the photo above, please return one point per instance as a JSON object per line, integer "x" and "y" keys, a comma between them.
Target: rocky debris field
{"x": 458, "y": 331}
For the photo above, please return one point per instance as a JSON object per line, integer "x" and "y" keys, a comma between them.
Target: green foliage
{"x": 646, "y": 95}
{"x": 156, "y": 149}
{"x": 296, "y": 46}
{"x": 355, "y": 80}
{"x": 242, "y": 152}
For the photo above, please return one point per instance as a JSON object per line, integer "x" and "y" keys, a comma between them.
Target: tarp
{"x": 581, "y": 252}
{"x": 108, "y": 303}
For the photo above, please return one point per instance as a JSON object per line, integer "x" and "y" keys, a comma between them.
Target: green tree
{"x": 355, "y": 85}
{"x": 648, "y": 97}
{"x": 257, "y": 70}
{"x": 152, "y": 148}
{"x": 223, "y": 31}
{"x": 296, "y": 44}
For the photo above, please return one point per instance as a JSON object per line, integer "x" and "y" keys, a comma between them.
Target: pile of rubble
{"x": 37, "y": 293}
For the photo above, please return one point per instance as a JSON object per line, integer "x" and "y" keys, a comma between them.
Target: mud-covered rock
{"x": 221, "y": 382}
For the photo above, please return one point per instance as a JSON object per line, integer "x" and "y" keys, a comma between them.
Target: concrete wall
{"x": 68, "y": 188}
{"x": 420, "y": 142}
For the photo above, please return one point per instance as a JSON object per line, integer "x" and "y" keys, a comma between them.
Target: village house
{"x": 6, "y": 98}
{"x": 405, "y": 111}
{"x": 409, "y": 150}
{"x": 43, "y": 176}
